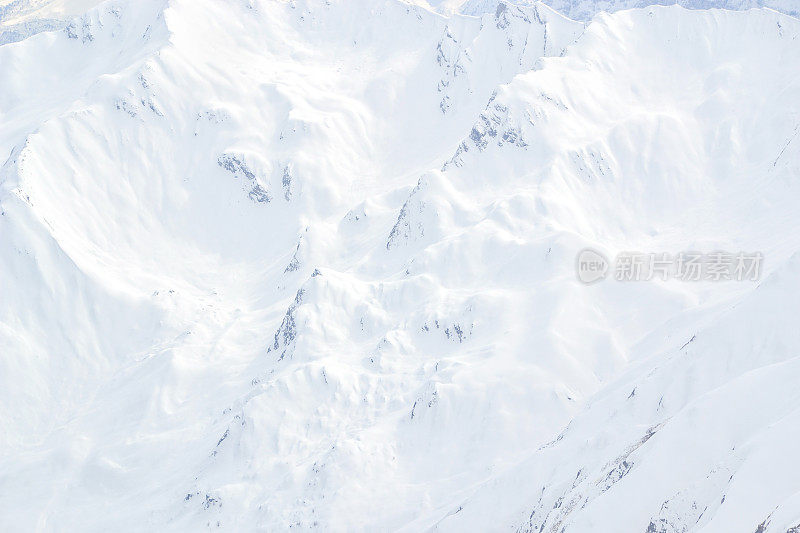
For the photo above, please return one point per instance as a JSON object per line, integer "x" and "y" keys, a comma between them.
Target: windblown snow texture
{"x": 273, "y": 265}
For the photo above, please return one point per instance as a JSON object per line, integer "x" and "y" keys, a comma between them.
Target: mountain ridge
{"x": 311, "y": 265}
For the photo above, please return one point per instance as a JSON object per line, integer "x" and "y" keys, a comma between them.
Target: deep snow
{"x": 311, "y": 264}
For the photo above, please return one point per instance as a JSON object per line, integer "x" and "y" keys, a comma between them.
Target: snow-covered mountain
{"x": 22, "y": 18}
{"x": 311, "y": 265}
{"x": 587, "y": 9}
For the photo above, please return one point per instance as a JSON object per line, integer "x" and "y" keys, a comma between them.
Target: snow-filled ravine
{"x": 311, "y": 265}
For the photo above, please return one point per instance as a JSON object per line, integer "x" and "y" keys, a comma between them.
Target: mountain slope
{"x": 587, "y": 9}
{"x": 311, "y": 265}
{"x": 650, "y": 151}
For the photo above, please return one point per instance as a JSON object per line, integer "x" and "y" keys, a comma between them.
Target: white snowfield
{"x": 21, "y": 18}
{"x": 310, "y": 265}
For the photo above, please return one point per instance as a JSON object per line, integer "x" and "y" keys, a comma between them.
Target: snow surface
{"x": 20, "y": 19}
{"x": 587, "y": 9}
{"x": 310, "y": 265}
